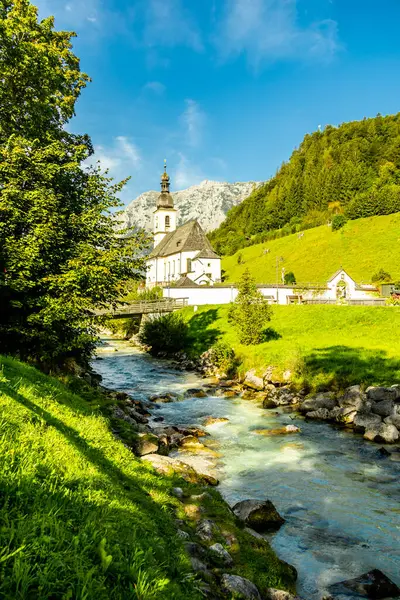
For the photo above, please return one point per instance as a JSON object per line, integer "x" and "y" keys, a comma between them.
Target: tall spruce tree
{"x": 59, "y": 255}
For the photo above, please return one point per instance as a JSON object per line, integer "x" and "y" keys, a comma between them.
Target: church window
{"x": 167, "y": 222}
{"x": 189, "y": 265}
{"x": 156, "y": 222}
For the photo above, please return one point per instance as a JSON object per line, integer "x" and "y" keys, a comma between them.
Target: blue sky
{"x": 224, "y": 89}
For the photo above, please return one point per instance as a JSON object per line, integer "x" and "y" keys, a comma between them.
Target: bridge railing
{"x": 144, "y": 307}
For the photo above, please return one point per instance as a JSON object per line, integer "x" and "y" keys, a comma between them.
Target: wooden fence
{"x": 149, "y": 307}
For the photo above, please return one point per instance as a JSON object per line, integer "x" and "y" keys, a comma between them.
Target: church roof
{"x": 185, "y": 281}
{"x": 206, "y": 253}
{"x": 187, "y": 238}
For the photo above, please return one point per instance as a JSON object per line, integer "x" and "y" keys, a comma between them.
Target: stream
{"x": 339, "y": 497}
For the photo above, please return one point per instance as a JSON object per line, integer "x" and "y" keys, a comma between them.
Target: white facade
{"x": 164, "y": 221}
{"x": 332, "y": 292}
{"x": 163, "y": 270}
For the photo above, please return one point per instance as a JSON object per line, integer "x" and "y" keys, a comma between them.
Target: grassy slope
{"x": 81, "y": 517}
{"x": 321, "y": 345}
{"x": 362, "y": 247}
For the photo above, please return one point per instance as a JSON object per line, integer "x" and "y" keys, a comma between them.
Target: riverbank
{"x": 337, "y": 493}
{"x": 317, "y": 347}
{"x": 103, "y": 524}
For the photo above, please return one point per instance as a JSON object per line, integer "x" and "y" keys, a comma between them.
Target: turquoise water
{"x": 340, "y": 499}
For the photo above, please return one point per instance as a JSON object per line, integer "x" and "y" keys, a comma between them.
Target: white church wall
{"x": 223, "y": 294}
{"x": 205, "y": 266}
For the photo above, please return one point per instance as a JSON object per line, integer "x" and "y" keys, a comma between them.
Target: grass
{"x": 362, "y": 247}
{"x": 81, "y": 517}
{"x": 322, "y": 346}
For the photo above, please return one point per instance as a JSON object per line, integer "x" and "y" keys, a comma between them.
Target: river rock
{"x": 273, "y": 594}
{"x": 252, "y": 381}
{"x": 146, "y": 443}
{"x": 364, "y": 421}
{"x": 356, "y": 398}
{"x": 394, "y": 418}
{"x": 321, "y": 413}
{"x": 387, "y": 434}
{"x": 324, "y": 400}
{"x": 373, "y": 584}
{"x": 383, "y": 408}
{"x": 196, "y": 393}
{"x": 119, "y": 414}
{"x": 281, "y": 431}
{"x": 260, "y": 515}
{"x": 240, "y": 587}
{"x": 379, "y": 394}
{"x": 206, "y": 529}
{"x": 285, "y": 396}
{"x": 345, "y": 414}
{"x": 169, "y": 466}
{"x": 222, "y": 554}
{"x": 213, "y": 420}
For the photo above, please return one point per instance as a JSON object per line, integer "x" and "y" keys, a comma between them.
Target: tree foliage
{"x": 59, "y": 255}
{"x": 353, "y": 169}
{"x": 250, "y": 312}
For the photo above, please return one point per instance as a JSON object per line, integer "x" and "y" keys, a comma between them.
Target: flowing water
{"x": 339, "y": 497}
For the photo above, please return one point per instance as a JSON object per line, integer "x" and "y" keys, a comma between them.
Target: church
{"x": 181, "y": 255}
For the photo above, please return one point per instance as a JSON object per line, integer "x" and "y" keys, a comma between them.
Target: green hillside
{"x": 350, "y": 171}
{"x": 362, "y": 247}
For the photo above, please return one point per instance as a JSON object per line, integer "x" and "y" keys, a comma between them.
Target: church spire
{"x": 165, "y": 199}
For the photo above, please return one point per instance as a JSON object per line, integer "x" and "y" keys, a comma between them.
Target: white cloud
{"x": 74, "y": 13}
{"x": 121, "y": 158}
{"x": 155, "y": 86}
{"x": 187, "y": 174}
{"x": 168, "y": 23}
{"x": 129, "y": 151}
{"x": 193, "y": 119}
{"x": 270, "y": 30}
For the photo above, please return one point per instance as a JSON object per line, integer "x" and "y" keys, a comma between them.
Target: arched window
{"x": 167, "y": 222}
{"x": 156, "y": 222}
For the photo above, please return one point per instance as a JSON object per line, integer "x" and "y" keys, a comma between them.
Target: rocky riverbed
{"x": 336, "y": 494}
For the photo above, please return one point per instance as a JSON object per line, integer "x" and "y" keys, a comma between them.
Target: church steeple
{"x": 165, "y": 213}
{"x": 165, "y": 199}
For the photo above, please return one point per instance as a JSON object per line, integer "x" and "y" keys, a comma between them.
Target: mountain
{"x": 208, "y": 202}
{"x": 346, "y": 172}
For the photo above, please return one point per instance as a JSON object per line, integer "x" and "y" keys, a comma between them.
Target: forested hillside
{"x": 350, "y": 171}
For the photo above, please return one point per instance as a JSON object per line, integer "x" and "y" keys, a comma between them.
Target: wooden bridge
{"x": 148, "y": 307}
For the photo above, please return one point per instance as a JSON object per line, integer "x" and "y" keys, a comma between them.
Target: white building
{"x": 339, "y": 289}
{"x": 180, "y": 254}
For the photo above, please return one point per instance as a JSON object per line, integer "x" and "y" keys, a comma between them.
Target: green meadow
{"x": 322, "y": 346}
{"x": 362, "y": 247}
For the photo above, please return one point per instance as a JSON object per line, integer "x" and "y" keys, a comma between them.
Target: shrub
{"x": 381, "y": 276}
{"x": 338, "y": 222}
{"x": 165, "y": 334}
{"x": 290, "y": 278}
{"x": 223, "y": 357}
{"x": 250, "y": 311}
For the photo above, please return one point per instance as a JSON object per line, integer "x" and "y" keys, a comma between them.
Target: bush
{"x": 381, "y": 276}
{"x": 290, "y": 278}
{"x": 165, "y": 334}
{"x": 223, "y": 357}
{"x": 338, "y": 222}
{"x": 250, "y": 311}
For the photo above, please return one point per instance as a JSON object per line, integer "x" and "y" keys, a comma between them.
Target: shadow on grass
{"x": 341, "y": 366}
{"x": 269, "y": 334}
{"x": 201, "y": 335}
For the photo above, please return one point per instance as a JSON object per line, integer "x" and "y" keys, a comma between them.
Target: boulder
{"x": 222, "y": 554}
{"x": 239, "y": 587}
{"x": 394, "y": 416}
{"x": 170, "y": 466}
{"x": 269, "y": 401}
{"x": 356, "y": 398}
{"x": 163, "y": 398}
{"x": 320, "y": 413}
{"x": 146, "y": 443}
{"x": 252, "y": 381}
{"x": 373, "y": 584}
{"x": 119, "y": 414}
{"x": 363, "y": 421}
{"x": 371, "y": 432}
{"x": 139, "y": 418}
{"x": 206, "y": 529}
{"x": 260, "y": 515}
{"x": 383, "y": 408}
{"x": 379, "y": 394}
{"x": 273, "y": 594}
{"x": 325, "y": 400}
{"x": 388, "y": 434}
{"x": 345, "y": 415}
{"x": 183, "y": 535}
